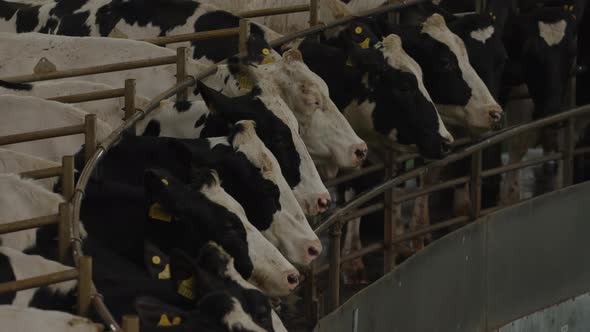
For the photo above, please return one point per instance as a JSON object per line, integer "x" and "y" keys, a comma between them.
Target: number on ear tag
{"x": 245, "y": 82}
{"x": 186, "y": 288}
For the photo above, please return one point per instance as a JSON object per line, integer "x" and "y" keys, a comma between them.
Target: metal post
{"x": 89, "y": 136}
{"x": 568, "y": 153}
{"x": 243, "y": 37}
{"x": 129, "y": 98}
{"x": 67, "y": 177}
{"x": 475, "y": 185}
{"x": 334, "y": 279}
{"x": 313, "y": 12}
{"x": 393, "y": 16}
{"x": 63, "y": 230}
{"x": 311, "y": 301}
{"x": 130, "y": 323}
{"x": 84, "y": 284}
{"x": 390, "y": 216}
{"x": 181, "y": 54}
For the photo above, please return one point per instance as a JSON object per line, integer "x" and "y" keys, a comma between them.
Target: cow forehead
{"x": 483, "y": 34}
{"x": 436, "y": 28}
{"x": 552, "y": 33}
{"x": 247, "y": 142}
{"x": 270, "y": 97}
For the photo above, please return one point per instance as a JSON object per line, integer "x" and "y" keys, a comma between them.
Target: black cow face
{"x": 546, "y": 44}
{"x": 174, "y": 209}
{"x": 275, "y": 134}
{"x": 359, "y": 32}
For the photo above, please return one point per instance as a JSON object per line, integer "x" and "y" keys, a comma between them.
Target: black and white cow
{"x": 16, "y": 162}
{"x": 15, "y": 318}
{"x": 248, "y": 172}
{"x": 135, "y": 19}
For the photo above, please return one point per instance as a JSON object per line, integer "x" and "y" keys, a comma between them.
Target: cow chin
{"x": 295, "y": 240}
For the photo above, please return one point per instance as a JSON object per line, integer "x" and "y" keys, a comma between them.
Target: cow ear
{"x": 215, "y": 100}
{"x": 156, "y": 262}
{"x": 154, "y": 313}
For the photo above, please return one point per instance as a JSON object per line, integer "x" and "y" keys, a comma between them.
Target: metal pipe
{"x": 354, "y": 175}
{"x": 520, "y": 165}
{"x": 390, "y": 221}
{"x": 40, "y": 281}
{"x": 568, "y": 153}
{"x": 41, "y": 134}
{"x": 334, "y": 279}
{"x": 84, "y": 284}
{"x": 431, "y": 189}
{"x": 475, "y": 185}
{"x": 63, "y": 231}
{"x": 22, "y": 225}
{"x": 42, "y": 173}
{"x": 243, "y": 37}
{"x": 363, "y": 212}
{"x": 89, "y": 96}
{"x": 101, "y": 69}
{"x": 193, "y": 36}
{"x": 129, "y": 93}
{"x": 181, "y": 56}
{"x": 67, "y": 177}
{"x": 274, "y": 11}
{"x": 89, "y": 136}
{"x": 314, "y": 14}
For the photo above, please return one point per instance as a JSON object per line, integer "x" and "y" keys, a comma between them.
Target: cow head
{"x": 222, "y": 219}
{"x": 543, "y": 46}
{"x": 460, "y": 94}
{"x": 279, "y": 131}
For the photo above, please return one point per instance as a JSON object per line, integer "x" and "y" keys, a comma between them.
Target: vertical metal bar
{"x": 313, "y": 12}
{"x": 390, "y": 216}
{"x": 393, "y": 15}
{"x": 67, "y": 177}
{"x": 63, "y": 230}
{"x": 311, "y": 301}
{"x": 568, "y": 153}
{"x": 243, "y": 40}
{"x": 129, "y": 98}
{"x": 130, "y": 323}
{"x": 90, "y": 136}
{"x": 475, "y": 185}
{"x": 181, "y": 54}
{"x": 334, "y": 279}
{"x": 84, "y": 284}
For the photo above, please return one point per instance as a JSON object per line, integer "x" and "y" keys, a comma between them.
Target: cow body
{"x": 136, "y": 19}
{"x": 16, "y": 162}
{"x": 26, "y": 114}
{"x": 16, "y": 318}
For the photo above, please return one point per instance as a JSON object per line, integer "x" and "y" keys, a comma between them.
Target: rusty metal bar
{"x": 67, "y": 177}
{"x": 40, "y": 281}
{"x": 475, "y": 185}
{"x": 568, "y": 153}
{"x": 519, "y": 165}
{"x": 243, "y": 36}
{"x": 181, "y": 55}
{"x": 22, "y": 225}
{"x": 129, "y": 93}
{"x": 41, "y": 134}
{"x": 42, "y": 173}
{"x": 89, "y": 96}
{"x": 130, "y": 323}
{"x": 314, "y": 17}
{"x": 353, "y": 175}
{"x": 63, "y": 231}
{"x": 84, "y": 285}
{"x": 390, "y": 221}
{"x": 274, "y": 11}
{"x": 335, "y": 252}
{"x": 431, "y": 189}
{"x": 193, "y": 36}
{"x": 90, "y": 136}
{"x": 104, "y": 313}
{"x": 101, "y": 69}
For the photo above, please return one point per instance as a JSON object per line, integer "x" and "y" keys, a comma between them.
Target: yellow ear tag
{"x": 165, "y": 274}
{"x": 156, "y": 212}
{"x": 365, "y": 43}
{"x": 164, "y": 321}
{"x": 267, "y": 60}
{"x": 349, "y": 62}
{"x": 358, "y": 30}
{"x": 265, "y": 51}
{"x": 245, "y": 82}
{"x": 165, "y": 181}
{"x": 186, "y": 288}
{"x": 176, "y": 320}
{"x": 156, "y": 260}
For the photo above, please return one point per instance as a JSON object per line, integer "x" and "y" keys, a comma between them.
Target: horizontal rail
{"x": 90, "y": 96}
{"x": 466, "y": 152}
{"x": 42, "y": 134}
{"x": 29, "y": 223}
{"x": 193, "y": 36}
{"x": 580, "y": 151}
{"x": 354, "y": 175}
{"x": 520, "y": 165}
{"x": 364, "y": 211}
{"x": 425, "y": 230}
{"x": 101, "y": 69}
{"x": 431, "y": 189}
{"x": 40, "y": 281}
{"x": 374, "y": 247}
{"x": 274, "y": 11}
{"x": 42, "y": 173}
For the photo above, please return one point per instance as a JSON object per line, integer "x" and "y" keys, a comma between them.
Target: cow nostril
{"x": 495, "y": 116}
{"x": 293, "y": 279}
{"x": 360, "y": 153}
{"x": 313, "y": 252}
{"x": 324, "y": 203}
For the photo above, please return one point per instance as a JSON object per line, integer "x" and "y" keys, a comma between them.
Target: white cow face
{"x": 328, "y": 136}
{"x": 289, "y": 230}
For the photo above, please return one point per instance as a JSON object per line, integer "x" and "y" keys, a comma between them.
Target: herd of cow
{"x": 199, "y": 216}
